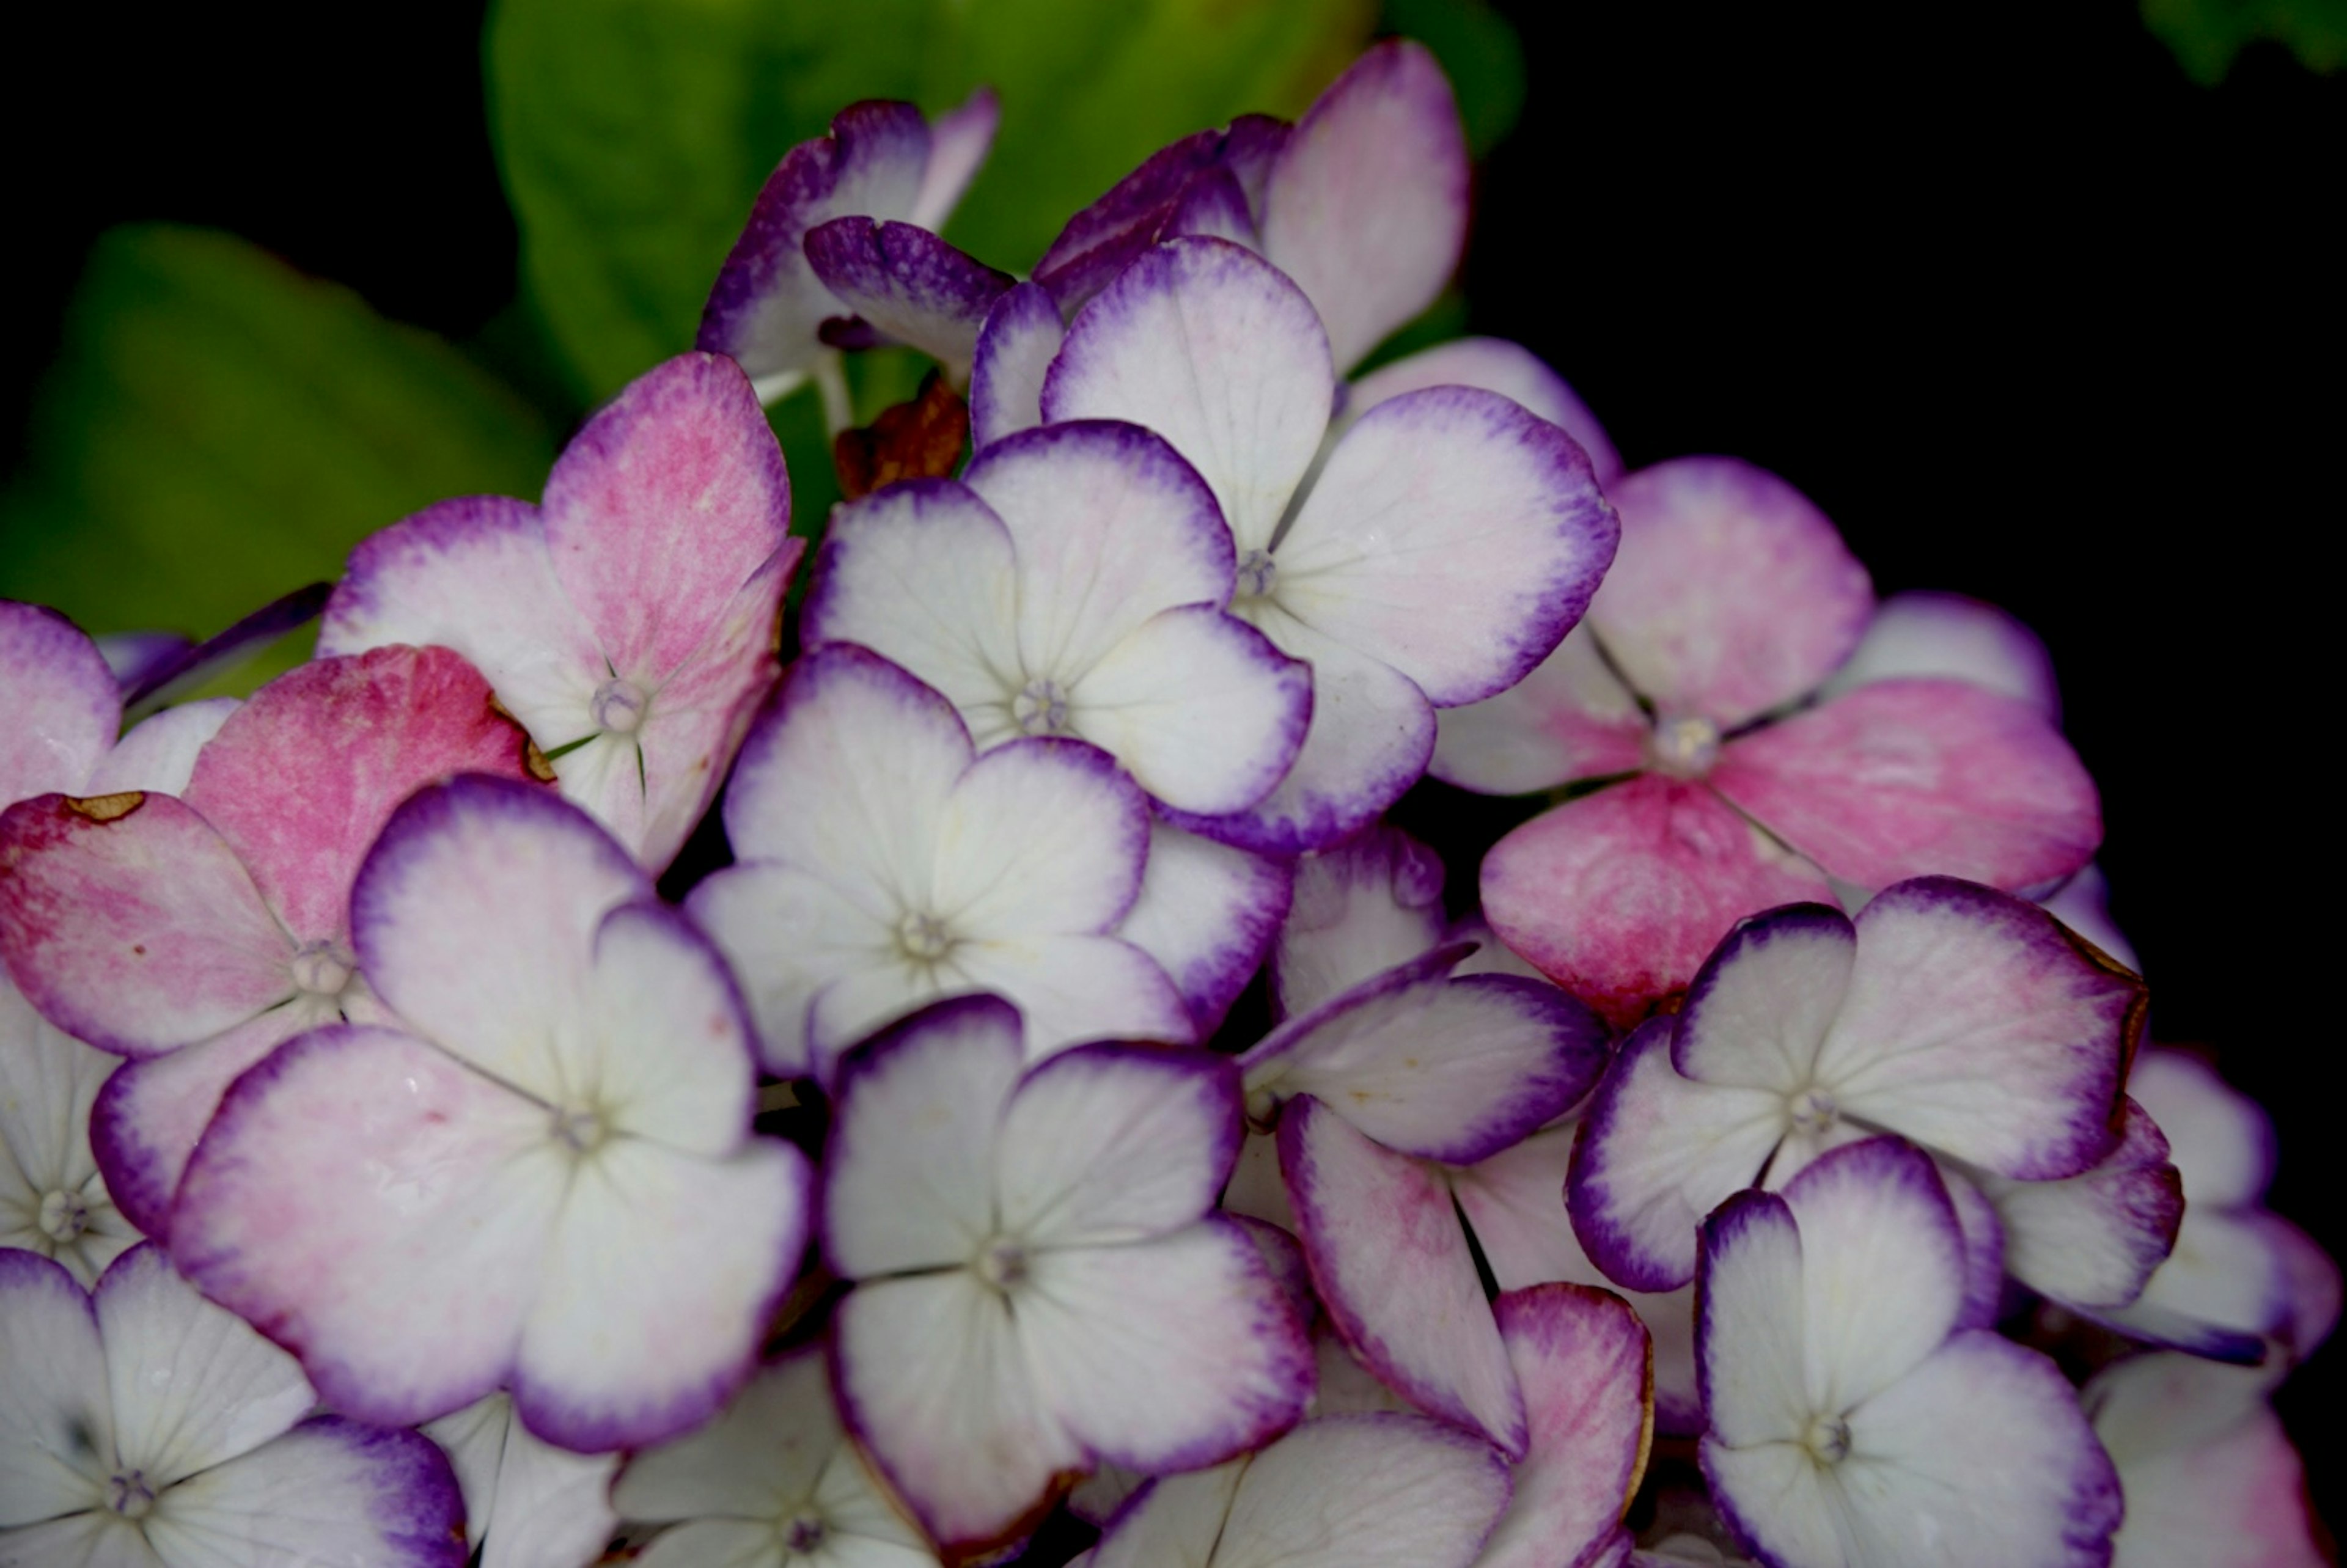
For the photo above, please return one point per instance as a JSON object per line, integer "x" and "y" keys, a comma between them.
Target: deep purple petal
{"x": 910, "y": 285}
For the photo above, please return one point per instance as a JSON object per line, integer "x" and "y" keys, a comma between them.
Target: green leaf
{"x": 633, "y": 134}
{"x": 219, "y": 430}
{"x": 1481, "y": 53}
{"x": 2206, "y": 34}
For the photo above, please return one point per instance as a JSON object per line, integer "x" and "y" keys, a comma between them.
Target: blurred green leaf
{"x": 1482, "y": 54}
{"x": 219, "y": 430}
{"x": 633, "y": 134}
{"x": 2206, "y": 34}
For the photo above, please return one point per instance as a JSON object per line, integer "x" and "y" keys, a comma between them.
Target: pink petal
{"x": 1210, "y": 346}
{"x": 1976, "y": 1025}
{"x": 1367, "y": 203}
{"x": 669, "y": 499}
{"x": 907, "y": 283}
{"x": 1361, "y": 907}
{"x": 960, "y": 140}
{"x": 1451, "y": 534}
{"x": 132, "y": 924}
{"x": 1568, "y": 719}
{"x": 1732, "y": 593}
{"x": 1109, "y": 1143}
{"x": 1393, "y": 1269}
{"x": 1581, "y": 1357}
{"x": 379, "y": 1210}
{"x": 1903, "y": 778}
{"x": 1205, "y": 914}
{"x": 1671, "y": 865}
{"x": 330, "y": 1491}
{"x": 1016, "y": 343}
{"x": 61, "y": 708}
{"x": 301, "y": 778}
{"x": 2093, "y": 1239}
{"x": 1949, "y": 636}
{"x": 1496, "y": 365}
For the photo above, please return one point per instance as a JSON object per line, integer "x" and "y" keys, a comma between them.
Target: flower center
{"x": 1262, "y": 1109}
{"x": 924, "y": 938}
{"x": 1041, "y": 709}
{"x": 579, "y": 1128}
{"x": 1002, "y": 1264}
{"x": 129, "y": 1495}
{"x": 619, "y": 707}
{"x": 804, "y": 1533}
{"x": 1258, "y": 575}
{"x": 1827, "y": 1439}
{"x": 64, "y": 1216}
{"x": 322, "y": 970}
{"x": 1682, "y": 748}
{"x": 1813, "y": 1111}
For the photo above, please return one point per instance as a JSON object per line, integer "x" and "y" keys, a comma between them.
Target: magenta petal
{"x": 1145, "y": 206}
{"x": 908, "y": 283}
{"x": 1906, "y": 777}
{"x": 301, "y": 778}
{"x": 1015, "y": 344}
{"x": 663, "y": 507}
{"x": 132, "y": 924}
{"x": 1365, "y": 205}
{"x": 58, "y": 704}
{"x": 1496, "y": 365}
{"x": 1671, "y": 865}
{"x": 1732, "y": 594}
{"x": 1581, "y": 1357}
{"x": 1391, "y": 1261}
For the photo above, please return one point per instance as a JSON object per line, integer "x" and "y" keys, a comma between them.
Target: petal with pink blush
{"x": 1206, "y": 913}
{"x": 1903, "y": 778}
{"x": 301, "y": 778}
{"x": 1393, "y": 1269}
{"x": 61, "y": 707}
{"x": 907, "y": 283}
{"x": 1581, "y": 1357}
{"x": 1976, "y": 1024}
{"x": 1361, "y": 907}
{"x": 130, "y": 923}
{"x": 1016, "y": 343}
{"x": 1216, "y": 351}
{"x": 1107, "y": 1144}
{"x": 960, "y": 140}
{"x": 1732, "y": 594}
{"x": 1451, "y": 534}
{"x": 1365, "y": 207}
{"x": 159, "y": 756}
{"x": 1496, "y": 365}
{"x": 1570, "y": 718}
{"x": 1672, "y": 867}
{"x": 2092, "y": 1240}
{"x": 670, "y": 497}
{"x": 1946, "y": 635}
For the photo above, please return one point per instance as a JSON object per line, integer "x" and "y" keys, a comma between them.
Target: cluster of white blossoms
{"x": 1064, "y": 1114}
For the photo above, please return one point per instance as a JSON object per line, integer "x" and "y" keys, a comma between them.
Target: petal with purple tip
{"x": 61, "y": 708}
{"x": 1075, "y": 989}
{"x": 1204, "y": 709}
{"x": 1984, "y": 1246}
{"x": 1758, "y": 1011}
{"x": 908, "y": 284}
{"x": 1365, "y": 205}
{"x": 1496, "y": 365}
{"x": 538, "y": 1506}
{"x": 1568, "y": 719}
{"x": 1391, "y": 1261}
{"x": 1007, "y": 816}
{"x": 1581, "y": 1357}
{"x": 1016, "y": 343}
{"x": 2092, "y": 1240}
{"x": 329, "y": 1491}
{"x": 2221, "y": 1141}
{"x": 1361, "y": 907}
{"x": 1206, "y": 913}
{"x": 1948, "y": 636}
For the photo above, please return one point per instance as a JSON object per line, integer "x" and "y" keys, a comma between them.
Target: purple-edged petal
{"x": 130, "y": 923}
{"x": 56, "y": 1422}
{"x": 1204, "y": 709}
{"x": 2225, "y": 1290}
{"x": 910, "y": 285}
{"x": 225, "y": 652}
{"x": 1206, "y": 913}
{"x": 1210, "y": 346}
{"x": 2084, "y": 903}
{"x": 1948, "y": 636}
{"x": 1373, "y": 731}
{"x": 1749, "y": 1330}
{"x": 135, "y": 657}
{"x": 960, "y": 140}
{"x": 1657, "y": 1154}
{"x": 379, "y": 1210}
{"x": 1215, "y": 204}
{"x": 1451, "y": 534}
{"x": 1671, "y": 865}
{"x": 301, "y": 778}
{"x": 1496, "y": 365}
{"x": 1451, "y": 1069}
{"x": 1016, "y": 343}
{"x": 1173, "y": 1355}
{"x": 1568, "y": 719}
{"x": 1361, "y": 909}
{"x": 1732, "y": 593}
{"x": 61, "y": 708}
{"x": 1581, "y": 1357}
{"x": 1040, "y": 837}
{"x": 1394, "y": 1271}
{"x": 1903, "y": 778}
{"x": 1111, "y": 1144}
{"x": 1976, "y": 1024}
{"x": 538, "y": 1506}
{"x": 1985, "y": 1241}
{"x": 767, "y": 303}
{"x": 2093, "y": 1239}
{"x": 1365, "y": 207}
{"x": 330, "y": 1491}
{"x": 663, "y": 505}
{"x": 159, "y": 756}
{"x": 1759, "y": 1009}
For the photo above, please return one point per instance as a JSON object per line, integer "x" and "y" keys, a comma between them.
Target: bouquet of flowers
{"x": 650, "y": 1048}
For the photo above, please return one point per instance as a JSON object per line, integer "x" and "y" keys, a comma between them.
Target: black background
{"x": 2031, "y": 316}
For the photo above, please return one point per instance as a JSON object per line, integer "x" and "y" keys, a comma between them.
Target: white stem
{"x": 831, "y": 383}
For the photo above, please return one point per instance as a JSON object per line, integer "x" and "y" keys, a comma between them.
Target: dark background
{"x": 2031, "y": 316}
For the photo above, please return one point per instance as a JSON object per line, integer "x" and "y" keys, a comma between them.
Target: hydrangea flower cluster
{"x": 1061, "y": 1109}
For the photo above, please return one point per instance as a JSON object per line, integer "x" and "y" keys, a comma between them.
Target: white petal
{"x": 1361, "y": 909}
{"x": 1366, "y": 1491}
{"x": 787, "y": 933}
{"x": 2094, "y": 1240}
{"x": 1016, "y": 345}
{"x": 56, "y": 1429}
{"x": 540, "y": 1506}
{"x": 1570, "y": 718}
{"x": 1759, "y": 1010}
{"x": 2220, "y": 1140}
{"x": 1204, "y": 709}
{"x": 158, "y": 754}
{"x": 330, "y": 1491}
{"x": 1040, "y": 838}
{"x": 668, "y": 1055}
{"x": 1176, "y": 1524}
{"x": 760, "y": 1459}
{"x": 1205, "y": 913}
{"x": 1751, "y": 1330}
{"x": 1075, "y": 989}
{"x": 93, "y": 1540}
{"x": 1111, "y": 1144}
{"x": 1496, "y": 365}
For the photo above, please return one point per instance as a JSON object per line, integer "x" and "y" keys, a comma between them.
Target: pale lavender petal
{"x": 1016, "y": 343}
{"x": 1361, "y": 909}
{"x": 61, "y": 707}
{"x": 1949, "y": 636}
{"x": 1496, "y": 365}
{"x": 1206, "y": 913}
{"x": 1570, "y": 718}
{"x": 960, "y": 140}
